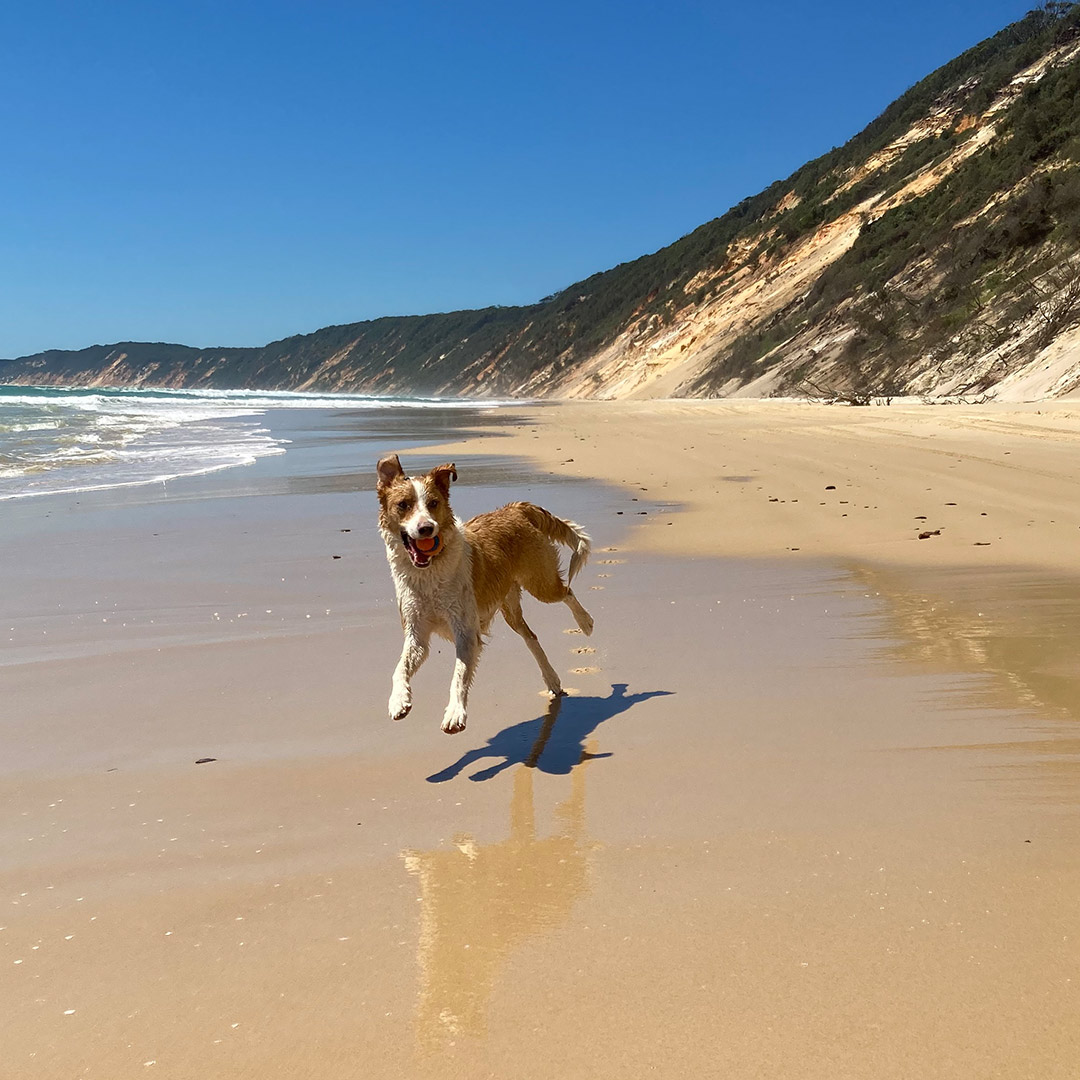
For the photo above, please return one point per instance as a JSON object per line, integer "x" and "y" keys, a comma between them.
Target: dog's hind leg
{"x": 413, "y": 655}
{"x": 511, "y": 612}
{"x": 544, "y": 581}
{"x": 581, "y": 616}
{"x": 467, "y": 645}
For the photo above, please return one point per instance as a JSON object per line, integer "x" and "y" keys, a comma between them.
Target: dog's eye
{"x": 433, "y": 504}
{"x": 403, "y": 506}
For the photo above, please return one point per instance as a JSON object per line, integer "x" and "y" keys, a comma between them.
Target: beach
{"x": 809, "y": 810}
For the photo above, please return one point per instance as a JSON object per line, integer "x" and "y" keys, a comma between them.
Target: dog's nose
{"x": 426, "y": 530}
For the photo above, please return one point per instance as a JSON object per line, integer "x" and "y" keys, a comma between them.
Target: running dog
{"x": 452, "y": 577}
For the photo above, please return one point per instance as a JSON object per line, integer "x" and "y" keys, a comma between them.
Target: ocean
{"x": 57, "y": 440}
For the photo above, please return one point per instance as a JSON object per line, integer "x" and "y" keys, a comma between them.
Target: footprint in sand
{"x": 610, "y": 548}
{"x": 573, "y": 630}
{"x": 582, "y": 649}
{"x": 611, "y": 562}
{"x": 584, "y": 670}
{"x": 603, "y": 575}
{"x": 595, "y": 587}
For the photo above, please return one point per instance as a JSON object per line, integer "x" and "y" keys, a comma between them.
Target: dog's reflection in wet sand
{"x": 477, "y": 902}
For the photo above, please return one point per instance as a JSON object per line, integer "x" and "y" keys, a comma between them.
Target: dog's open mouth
{"x": 420, "y": 558}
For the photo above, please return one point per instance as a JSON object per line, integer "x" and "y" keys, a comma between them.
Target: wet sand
{"x": 806, "y": 814}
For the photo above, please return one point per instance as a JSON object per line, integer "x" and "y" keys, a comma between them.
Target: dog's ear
{"x": 388, "y": 470}
{"x": 442, "y": 475}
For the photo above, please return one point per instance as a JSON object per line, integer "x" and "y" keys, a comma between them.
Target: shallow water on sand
{"x": 283, "y": 546}
{"x": 1010, "y": 642}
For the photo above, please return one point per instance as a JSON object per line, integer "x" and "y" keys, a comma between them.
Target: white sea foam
{"x": 63, "y": 440}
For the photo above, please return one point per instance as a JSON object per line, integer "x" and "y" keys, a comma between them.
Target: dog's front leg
{"x": 413, "y": 655}
{"x": 467, "y": 645}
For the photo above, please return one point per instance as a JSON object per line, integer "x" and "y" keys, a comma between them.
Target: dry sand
{"x": 810, "y": 812}
{"x": 995, "y": 484}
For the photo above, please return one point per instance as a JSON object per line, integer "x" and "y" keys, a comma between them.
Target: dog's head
{"x": 415, "y": 508}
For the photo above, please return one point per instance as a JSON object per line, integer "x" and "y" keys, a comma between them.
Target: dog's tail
{"x": 568, "y": 533}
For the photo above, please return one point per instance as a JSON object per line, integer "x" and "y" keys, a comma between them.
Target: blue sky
{"x": 224, "y": 173}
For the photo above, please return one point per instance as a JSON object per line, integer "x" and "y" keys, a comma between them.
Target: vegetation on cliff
{"x": 970, "y": 262}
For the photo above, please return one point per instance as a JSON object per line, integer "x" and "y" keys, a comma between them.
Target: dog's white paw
{"x": 453, "y": 719}
{"x": 400, "y": 704}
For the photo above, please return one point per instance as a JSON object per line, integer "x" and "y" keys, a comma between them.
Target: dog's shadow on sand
{"x": 553, "y": 743}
